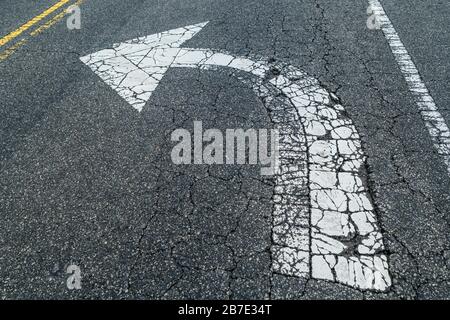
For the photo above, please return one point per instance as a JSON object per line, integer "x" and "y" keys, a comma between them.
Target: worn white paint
{"x": 319, "y": 197}
{"x": 434, "y": 121}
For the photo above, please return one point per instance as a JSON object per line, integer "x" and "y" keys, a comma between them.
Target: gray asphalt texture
{"x": 85, "y": 180}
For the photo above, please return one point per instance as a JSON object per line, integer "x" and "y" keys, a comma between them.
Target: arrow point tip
{"x": 203, "y": 24}
{"x": 195, "y": 28}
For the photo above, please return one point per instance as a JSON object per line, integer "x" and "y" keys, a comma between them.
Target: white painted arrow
{"x": 134, "y": 68}
{"x": 324, "y": 226}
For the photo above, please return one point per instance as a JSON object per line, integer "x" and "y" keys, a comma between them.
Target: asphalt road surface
{"x": 86, "y": 180}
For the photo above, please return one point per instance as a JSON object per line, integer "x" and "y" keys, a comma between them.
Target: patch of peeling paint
{"x": 324, "y": 224}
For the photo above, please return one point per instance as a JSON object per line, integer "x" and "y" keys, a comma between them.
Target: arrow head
{"x": 134, "y": 68}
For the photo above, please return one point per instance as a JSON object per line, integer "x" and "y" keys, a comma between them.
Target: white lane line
{"x": 433, "y": 119}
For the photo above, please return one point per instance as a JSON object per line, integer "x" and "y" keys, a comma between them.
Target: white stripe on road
{"x": 434, "y": 121}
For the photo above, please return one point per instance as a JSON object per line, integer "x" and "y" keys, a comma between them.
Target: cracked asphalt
{"x": 86, "y": 180}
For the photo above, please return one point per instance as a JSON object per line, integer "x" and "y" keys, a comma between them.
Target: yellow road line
{"x": 54, "y": 20}
{"x": 5, "y": 54}
{"x": 32, "y": 22}
{"x": 9, "y": 51}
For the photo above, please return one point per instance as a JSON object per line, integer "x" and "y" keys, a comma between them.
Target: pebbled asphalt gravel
{"x": 85, "y": 180}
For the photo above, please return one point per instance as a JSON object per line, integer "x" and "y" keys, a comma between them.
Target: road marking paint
{"x": 54, "y": 20}
{"x": 323, "y": 225}
{"x": 9, "y": 51}
{"x": 429, "y": 112}
{"x": 32, "y": 22}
